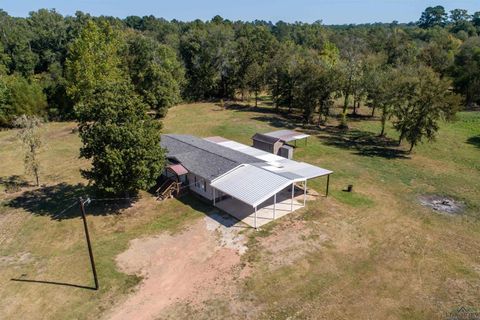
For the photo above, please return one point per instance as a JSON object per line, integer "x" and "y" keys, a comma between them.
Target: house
{"x": 276, "y": 142}
{"x": 248, "y": 183}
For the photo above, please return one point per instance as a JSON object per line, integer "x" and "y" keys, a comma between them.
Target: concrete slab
{"x": 265, "y": 212}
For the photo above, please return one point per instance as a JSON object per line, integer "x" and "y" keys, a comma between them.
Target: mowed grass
{"x": 385, "y": 257}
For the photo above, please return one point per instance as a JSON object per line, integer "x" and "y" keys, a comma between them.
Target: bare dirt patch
{"x": 442, "y": 204}
{"x": 290, "y": 242}
{"x": 188, "y": 267}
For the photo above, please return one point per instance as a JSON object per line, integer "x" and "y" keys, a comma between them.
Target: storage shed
{"x": 267, "y": 143}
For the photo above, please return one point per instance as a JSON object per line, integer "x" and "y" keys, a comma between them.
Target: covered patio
{"x": 257, "y": 196}
{"x": 271, "y": 209}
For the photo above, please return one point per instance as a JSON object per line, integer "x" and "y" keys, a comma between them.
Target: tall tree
{"x": 155, "y": 72}
{"x": 93, "y": 60}
{"x": 121, "y": 140}
{"x": 433, "y": 16}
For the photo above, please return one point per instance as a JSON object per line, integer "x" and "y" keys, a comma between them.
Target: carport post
{"x": 213, "y": 197}
{"x": 305, "y": 194}
{"x": 293, "y": 190}
{"x": 255, "y": 218}
{"x": 274, "y": 203}
{"x": 328, "y": 184}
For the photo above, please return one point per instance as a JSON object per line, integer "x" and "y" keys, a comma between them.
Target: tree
{"x": 424, "y": 99}
{"x": 466, "y": 71}
{"x": 350, "y": 74}
{"x": 281, "y": 75}
{"x": 49, "y": 37}
{"x": 16, "y": 37}
{"x": 30, "y": 136}
{"x": 121, "y": 140}
{"x": 433, "y": 16}
{"x": 20, "y": 96}
{"x": 382, "y": 91}
{"x": 93, "y": 60}
{"x": 459, "y": 16}
{"x": 255, "y": 79}
{"x": 155, "y": 72}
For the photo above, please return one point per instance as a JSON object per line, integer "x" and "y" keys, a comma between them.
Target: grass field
{"x": 383, "y": 255}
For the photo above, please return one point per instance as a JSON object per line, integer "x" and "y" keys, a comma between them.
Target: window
{"x": 200, "y": 183}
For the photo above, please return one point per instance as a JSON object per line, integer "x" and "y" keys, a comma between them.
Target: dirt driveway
{"x": 189, "y": 267}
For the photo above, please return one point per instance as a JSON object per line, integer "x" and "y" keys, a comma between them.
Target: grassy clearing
{"x": 385, "y": 256}
{"x": 38, "y": 243}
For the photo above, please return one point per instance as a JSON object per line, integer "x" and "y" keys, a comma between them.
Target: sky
{"x": 329, "y": 11}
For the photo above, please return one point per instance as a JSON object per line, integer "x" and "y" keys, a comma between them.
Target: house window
{"x": 200, "y": 183}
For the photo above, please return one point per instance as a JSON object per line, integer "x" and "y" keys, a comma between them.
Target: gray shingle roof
{"x": 264, "y": 138}
{"x": 207, "y": 159}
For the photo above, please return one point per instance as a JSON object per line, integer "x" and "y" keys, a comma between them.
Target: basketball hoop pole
{"x": 87, "y": 236}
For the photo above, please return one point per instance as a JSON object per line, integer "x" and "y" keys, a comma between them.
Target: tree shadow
{"x": 475, "y": 141}
{"x": 61, "y": 202}
{"x": 362, "y": 142}
{"x": 53, "y": 283}
{"x": 14, "y": 183}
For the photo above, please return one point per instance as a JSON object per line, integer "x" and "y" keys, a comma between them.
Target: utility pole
{"x": 84, "y": 218}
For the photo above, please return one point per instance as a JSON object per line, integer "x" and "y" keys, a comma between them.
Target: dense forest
{"x": 85, "y": 68}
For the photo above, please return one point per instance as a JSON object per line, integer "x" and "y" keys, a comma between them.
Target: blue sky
{"x": 329, "y": 11}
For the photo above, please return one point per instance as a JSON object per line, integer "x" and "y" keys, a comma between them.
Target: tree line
{"x": 108, "y": 72}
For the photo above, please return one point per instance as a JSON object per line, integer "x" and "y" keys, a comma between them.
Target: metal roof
{"x": 250, "y": 184}
{"x": 291, "y": 169}
{"x": 287, "y": 135}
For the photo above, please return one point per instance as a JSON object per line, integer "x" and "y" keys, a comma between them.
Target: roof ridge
{"x": 216, "y": 144}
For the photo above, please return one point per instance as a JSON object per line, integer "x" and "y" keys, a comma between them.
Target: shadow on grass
{"x": 206, "y": 207}
{"x": 54, "y": 283}
{"x": 474, "y": 141}
{"x": 61, "y": 202}
{"x": 14, "y": 183}
{"x": 364, "y": 143}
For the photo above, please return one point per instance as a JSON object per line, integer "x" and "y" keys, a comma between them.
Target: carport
{"x": 256, "y": 195}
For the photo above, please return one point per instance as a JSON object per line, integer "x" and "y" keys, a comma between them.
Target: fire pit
{"x": 441, "y": 204}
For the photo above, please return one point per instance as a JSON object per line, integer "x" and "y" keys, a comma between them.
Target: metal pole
{"x": 328, "y": 184}
{"x": 274, "y": 204}
{"x": 87, "y": 236}
{"x": 213, "y": 197}
{"x": 305, "y": 194}
{"x": 291, "y": 203}
{"x": 255, "y": 218}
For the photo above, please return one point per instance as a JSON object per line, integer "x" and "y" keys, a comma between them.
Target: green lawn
{"x": 385, "y": 256}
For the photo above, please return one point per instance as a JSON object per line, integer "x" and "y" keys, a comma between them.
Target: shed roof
{"x": 265, "y": 138}
{"x": 250, "y": 184}
{"x": 287, "y": 135}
